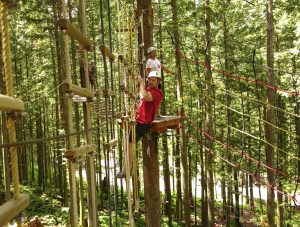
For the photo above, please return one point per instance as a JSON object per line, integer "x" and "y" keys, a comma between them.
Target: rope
{"x": 237, "y": 77}
{"x": 10, "y": 92}
{"x": 237, "y": 95}
{"x": 259, "y": 179}
{"x": 258, "y": 139}
{"x": 242, "y": 153}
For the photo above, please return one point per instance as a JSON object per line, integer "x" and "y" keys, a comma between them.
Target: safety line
{"x": 238, "y": 77}
{"x": 22, "y": 143}
{"x": 246, "y": 155}
{"x": 258, "y": 178}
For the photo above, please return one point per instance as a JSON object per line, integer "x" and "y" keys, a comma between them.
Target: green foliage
{"x": 49, "y": 209}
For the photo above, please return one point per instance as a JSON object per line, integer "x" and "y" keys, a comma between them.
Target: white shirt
{"x": 154, "y": 65}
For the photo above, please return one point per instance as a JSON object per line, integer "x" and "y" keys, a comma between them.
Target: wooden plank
{"x": 110, "y": 144}
{"x": 80, "y": 151}
{"x": 9, "y": 104}
{"x": 12, "y": 208}
{"x": 104, "y": 49}
{"x": 77, "y": 90}
{"x": 74, "y": 33}
{"x": 165, "y": 122}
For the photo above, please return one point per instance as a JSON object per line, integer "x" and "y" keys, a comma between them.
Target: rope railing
{"x": 238, "y": 77}
{"x": 245, "y": 155}
{"x": 255, "y": 176}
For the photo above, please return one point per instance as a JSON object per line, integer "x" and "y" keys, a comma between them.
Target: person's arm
{"x": 144, "y": 95}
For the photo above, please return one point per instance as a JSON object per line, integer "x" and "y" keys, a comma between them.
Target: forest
{"x": 223, "y": 150}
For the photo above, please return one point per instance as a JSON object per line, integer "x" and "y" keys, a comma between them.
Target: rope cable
{"x": 10, "y": 92}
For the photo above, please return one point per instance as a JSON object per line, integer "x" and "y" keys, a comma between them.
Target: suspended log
{"x": 104, "y": 49}
{"x": 77, "y": 90}
{"x": 164, "y": 123}
{"x": 74, "y": 33}
{"x": 110, "y": 144}
{"x": 108, "y": 93}
{"x": 12, "y": 208}
{"x": 80, "y": 151}
{"x": 9, "y": 104}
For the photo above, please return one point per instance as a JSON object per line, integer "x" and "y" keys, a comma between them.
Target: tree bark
{"x": 180, "y": 111}
{"x": 269, "y": 130}
{"x": 209, "y": 121}
{"x": 151, "y": 181}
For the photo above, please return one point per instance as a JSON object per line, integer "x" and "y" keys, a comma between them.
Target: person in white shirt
{"x": 153, "y": 64}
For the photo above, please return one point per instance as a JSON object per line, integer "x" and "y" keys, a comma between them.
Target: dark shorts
{"x": 140, "y": 130}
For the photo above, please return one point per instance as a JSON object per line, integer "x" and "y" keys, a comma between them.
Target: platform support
{"x": 151, "y": 180}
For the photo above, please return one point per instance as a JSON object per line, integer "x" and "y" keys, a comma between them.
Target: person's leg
{"x": 140, "y": 131}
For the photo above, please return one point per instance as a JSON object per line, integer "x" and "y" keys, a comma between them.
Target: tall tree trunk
{"x": 184, "y": 158}
{"x": 59, "y": 111}
{"x": 281, "y": 121}
{"x": 166, "y": 165}
{"x": 151, "y": 182}
{"x": 150, "y": 162}
{"x": 269, "y": 130}
{"x": 209, "y": 121}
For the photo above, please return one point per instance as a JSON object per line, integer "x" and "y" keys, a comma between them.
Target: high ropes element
{"x": 85, "y": 151}
{"x": 248, "y": 129}
{"x": 238, "y": 77}
{"x": 14, "y": 108}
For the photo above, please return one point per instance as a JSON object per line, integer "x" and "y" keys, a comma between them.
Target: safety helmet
{"x": 154, "y": 74}
{"x": 150, "y": 49}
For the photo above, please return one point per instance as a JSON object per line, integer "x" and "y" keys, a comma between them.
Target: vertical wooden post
{"x": 151, "y": 180}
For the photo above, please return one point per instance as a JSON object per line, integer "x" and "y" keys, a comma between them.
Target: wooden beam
{"x": 110, "y": 144}
{"x": 12, "y": 208}
{"x": 80, "y": 151}
{"x": 74, "y": 33}
{"x": 104, "y": 49}
{"x": 165, "y": 122}
{"x": 77, "y": 90}
{"x": 9, "y": 104}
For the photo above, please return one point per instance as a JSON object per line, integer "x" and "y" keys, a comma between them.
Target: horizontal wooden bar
{"x": 74, "y": 33}
{"x": 108, "y": 93}
{"x": 9, "y": 104}
{"x": 110, "y": 144}
{"x": 12, "y": 208}
{"x": 80, "y": 151}
{"x": 104, "y": 49}
{"x": 77, "y": 90}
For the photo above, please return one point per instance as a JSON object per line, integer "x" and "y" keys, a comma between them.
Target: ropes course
{"x": 102, "y": 109}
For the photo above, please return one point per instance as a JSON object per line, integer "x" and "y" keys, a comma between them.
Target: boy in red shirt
{"x": 150, "y": 99}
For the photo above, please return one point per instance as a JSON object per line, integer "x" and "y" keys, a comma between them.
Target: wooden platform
{"x": 163, "y": 123}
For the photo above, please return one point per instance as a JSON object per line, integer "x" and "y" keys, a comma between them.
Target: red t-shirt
{"x": 147, "y": 109}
